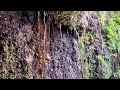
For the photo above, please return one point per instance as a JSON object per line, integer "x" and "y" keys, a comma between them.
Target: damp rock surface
{"x": 55, "y": 45}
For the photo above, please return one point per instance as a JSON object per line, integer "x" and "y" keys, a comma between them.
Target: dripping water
{"x": 52, "y": 65}
{"x": 44, "y": 45}
{"x": 60, "y": 59}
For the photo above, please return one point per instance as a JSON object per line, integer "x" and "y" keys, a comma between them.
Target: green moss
{"x": 100, "y": 58}
{"x": 10, "y": 61}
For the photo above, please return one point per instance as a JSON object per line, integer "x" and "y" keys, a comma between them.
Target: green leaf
{"x": 100, "y": 58}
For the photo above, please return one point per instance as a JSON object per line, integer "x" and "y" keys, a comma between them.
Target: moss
{"x": 9, "y": 61}
{"x": 63, "y": 17}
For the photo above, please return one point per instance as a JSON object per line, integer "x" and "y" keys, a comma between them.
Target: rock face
{"x": 32, "y": 47}
{"x": 63, "y": 63}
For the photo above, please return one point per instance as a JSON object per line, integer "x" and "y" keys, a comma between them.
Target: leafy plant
{"x": 117, "y": 74}
{"x": 112, "y": 30}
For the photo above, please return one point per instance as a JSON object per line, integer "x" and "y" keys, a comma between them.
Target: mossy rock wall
{"x": 59, "y": 44}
